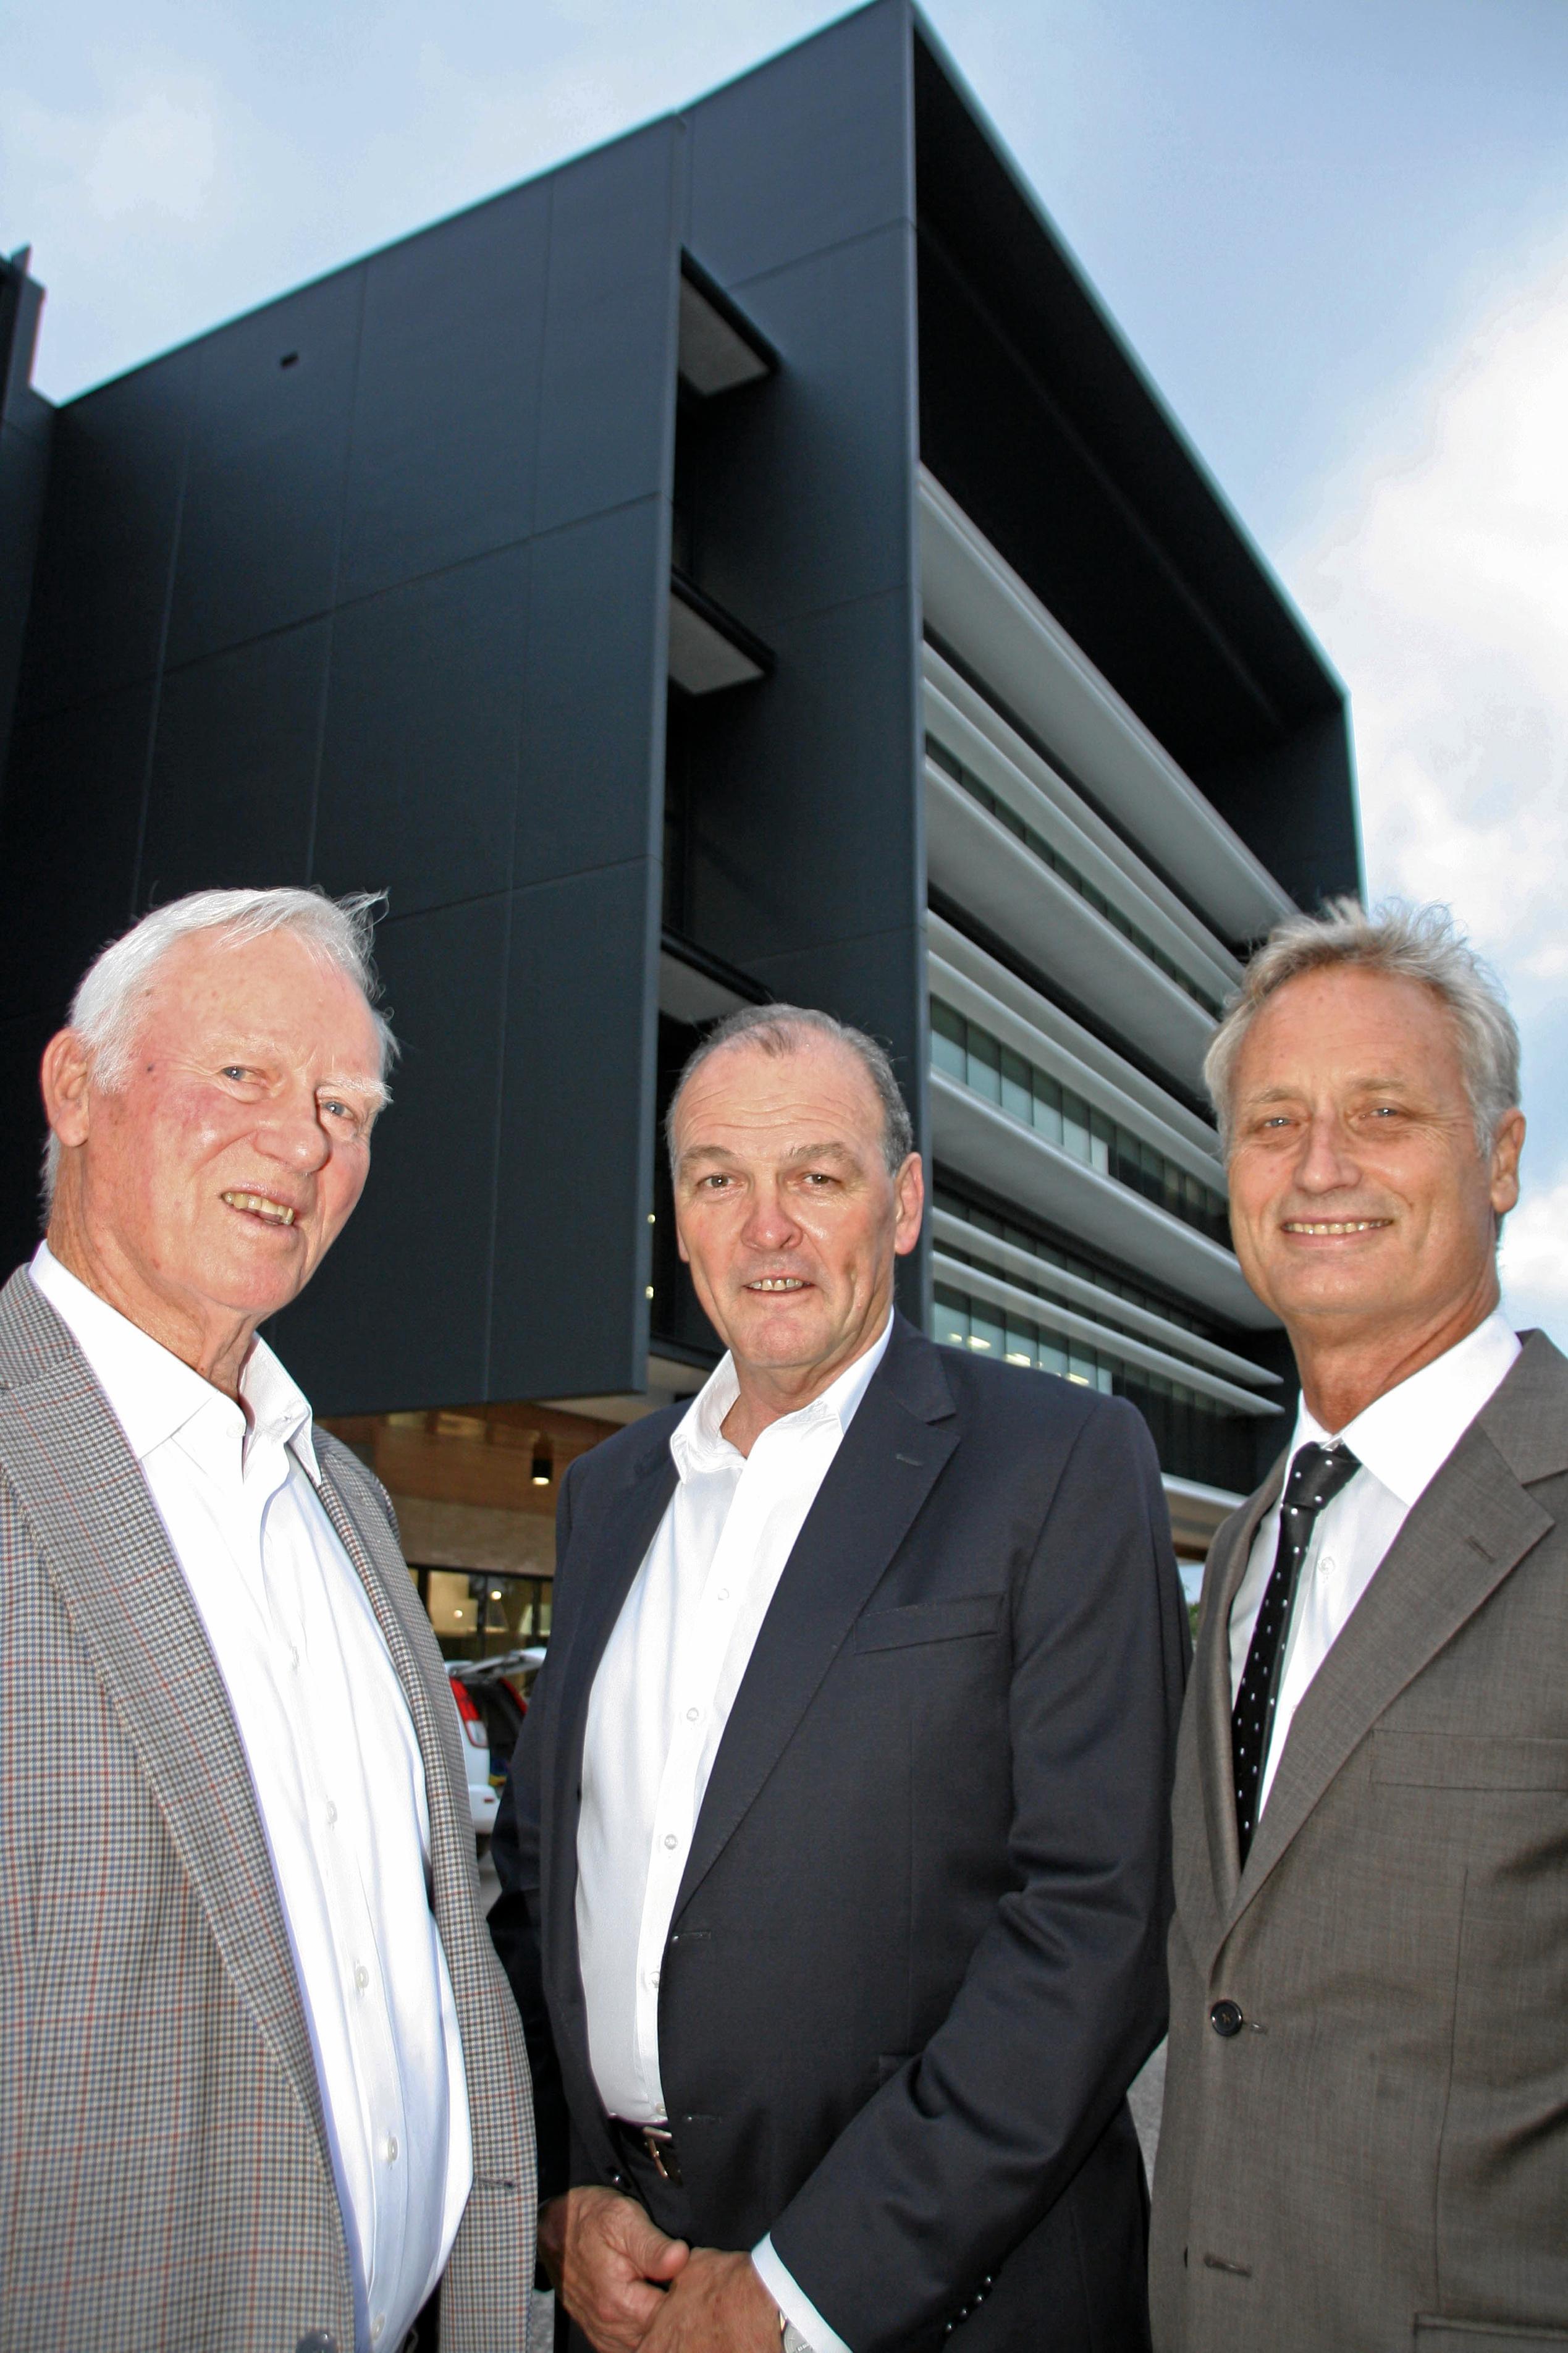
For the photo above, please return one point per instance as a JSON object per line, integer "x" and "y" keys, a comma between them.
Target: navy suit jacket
{"x": 916, "y": 1955}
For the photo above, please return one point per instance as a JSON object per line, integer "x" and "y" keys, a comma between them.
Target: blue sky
{"x": 1335, "y": 230}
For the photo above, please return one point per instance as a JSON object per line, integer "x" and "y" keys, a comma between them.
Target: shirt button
{"x": 392, "y": 2148}
{"x": 293, "y": 1658}
{"x": 671, "y": 1840}
{"x": 692, "y": 1713}
{"x": 378, "y": 2325}
{"x": 1326, "y": 1565}
{"x": 362, "y": 1976}
{"x": 724, "y": 1593}
{"x": 331, "y": 1815}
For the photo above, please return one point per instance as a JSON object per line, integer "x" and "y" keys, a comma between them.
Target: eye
{"x": 236, "y": 1070}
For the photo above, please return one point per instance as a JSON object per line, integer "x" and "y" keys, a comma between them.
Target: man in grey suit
{"x": 264, "y": 2085}
{"x": 1365, "y": 2142}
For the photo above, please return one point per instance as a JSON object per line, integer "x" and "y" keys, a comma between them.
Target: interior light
{"x": 495, "y": 1593}
{"x": 541, "y": 1470}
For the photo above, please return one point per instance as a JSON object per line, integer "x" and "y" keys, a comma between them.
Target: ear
{"x": 910, "y": 1193}
{"x": 65, "y": 1077}
{"x": 1507, "y": 1145}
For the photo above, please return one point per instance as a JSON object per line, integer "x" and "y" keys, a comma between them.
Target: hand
{"x": 610, "y": 2265}
{"x": 717, "y": 2305}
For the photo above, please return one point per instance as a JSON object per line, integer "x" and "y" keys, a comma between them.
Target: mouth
{"x": 262, "y": 1205}
{"x": 1320, "y": 1226}
{"x": 777, "y": 1283}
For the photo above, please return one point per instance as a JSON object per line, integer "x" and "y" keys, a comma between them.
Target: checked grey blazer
{"x": 164, "y": 2180}
{"x": 1365, "y": 2138}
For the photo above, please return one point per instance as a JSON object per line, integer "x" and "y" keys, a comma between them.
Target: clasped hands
{"x": 632, "y": 2290}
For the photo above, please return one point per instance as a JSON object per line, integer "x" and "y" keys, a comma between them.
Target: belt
{"x": 650, "y": 2145}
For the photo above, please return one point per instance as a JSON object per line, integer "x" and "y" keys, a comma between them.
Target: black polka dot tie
{"x": 1316, "y": 1474}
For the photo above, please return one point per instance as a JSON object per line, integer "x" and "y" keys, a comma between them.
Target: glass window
{"x": 985, "y": 1064}
{"x": 987, "y": 1335}
{"x": 951, "y": 1319}
{"x": 947, "y": 1040}
{"x": 1016, "y": 1094}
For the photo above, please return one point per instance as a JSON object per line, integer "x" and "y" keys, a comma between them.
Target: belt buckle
{"x": 656, "y": 2139}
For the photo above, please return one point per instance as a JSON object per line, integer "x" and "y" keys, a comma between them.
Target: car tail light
{"x": 473, "y": 1722}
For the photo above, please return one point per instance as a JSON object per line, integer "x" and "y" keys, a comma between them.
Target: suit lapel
{"x": 109, "y": 1556}
{"x": 891, "y": 1457}
{"x": 1210, "y": 1700}
{"x": 1472, "y": 1526}
{"x": 618, "y": 1544}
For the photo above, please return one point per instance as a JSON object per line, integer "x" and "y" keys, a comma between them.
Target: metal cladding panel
{"x": 101, "y": 595}
{"x": 419, "y": 758}
{"x": 575, "y": 1166}
{"x": 446, "y": 409}
{"x": 834, "y": 428}
{"x": 804, "y": 154}
{"x": 22, "y": 1043}
{"x": 593, "y": 740}
{"x": 804, "y": 824}
{"x": 263, "y": 505}
{"x": 23, "y": 480}
{"x": 234, "y": 768}
{"x": 606, "y": 399}
{"x": 68, "y": 827}
{"x": 398, "y": 1315}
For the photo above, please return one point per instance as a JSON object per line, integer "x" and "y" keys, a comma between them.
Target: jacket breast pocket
{"x": 962, "y": 1619}
{"x": 1444, "y": 1761}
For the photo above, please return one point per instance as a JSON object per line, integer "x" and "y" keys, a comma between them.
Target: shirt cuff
{"x": 794, "y": 2306}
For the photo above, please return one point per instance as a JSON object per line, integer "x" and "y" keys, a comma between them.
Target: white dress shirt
{"x": 339, "y": 1781}
{"x": 1401, "y": 1441}
{"x": 657, "y": 1714}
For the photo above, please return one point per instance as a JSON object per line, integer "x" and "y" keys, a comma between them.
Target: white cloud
{"x": 1535, "y": 1258}
{"x": 1437, "y": 573}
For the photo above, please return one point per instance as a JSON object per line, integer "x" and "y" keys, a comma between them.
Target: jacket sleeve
{"x": 515, "y": 1918}
{"x": 964, "y": 2150}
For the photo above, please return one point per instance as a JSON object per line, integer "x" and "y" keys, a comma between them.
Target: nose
{"x": 768, "y": 1226}
{"x": 291, "y": 1132}
{"x": 1327, "y": 1163}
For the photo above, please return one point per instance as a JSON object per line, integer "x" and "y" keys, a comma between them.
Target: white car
{"x": 483, "y": 1802}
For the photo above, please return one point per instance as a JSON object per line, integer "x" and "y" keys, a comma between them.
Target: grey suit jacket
{"x": 1379, "y": 2157}
{"x": 165, "y": 2177}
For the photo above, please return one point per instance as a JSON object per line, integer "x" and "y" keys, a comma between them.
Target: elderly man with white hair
{"x": 1365, "y": 2140}
{"x": 265, "y": 2087}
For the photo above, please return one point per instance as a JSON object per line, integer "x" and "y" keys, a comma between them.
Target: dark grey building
{"x": 744, "y": 561}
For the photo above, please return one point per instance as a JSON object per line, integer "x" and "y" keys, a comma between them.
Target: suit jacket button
{"x": 1226, "y": 2018}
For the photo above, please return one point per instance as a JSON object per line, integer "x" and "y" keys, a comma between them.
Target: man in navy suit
{"x": 835, "y": 1853}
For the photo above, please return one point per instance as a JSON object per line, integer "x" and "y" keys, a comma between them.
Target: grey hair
{"x": 110, "y": 997}
{"x": 779, "y": 1029}
{"x": 1421, "y": 943}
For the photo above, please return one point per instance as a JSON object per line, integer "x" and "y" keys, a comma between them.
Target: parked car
{"x": 483, "y": 1802}
{"x": 498, "y": 1689}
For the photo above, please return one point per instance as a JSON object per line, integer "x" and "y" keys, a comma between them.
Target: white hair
{"x": 1420, "y": 944}
{"x": 111, "y": 999}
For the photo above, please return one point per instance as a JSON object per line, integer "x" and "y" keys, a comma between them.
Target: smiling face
{"x": 788, "y": 1215}
{"x": 1362, "y": 1210}
{"x": 200, "y": 1194}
